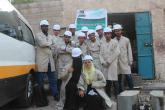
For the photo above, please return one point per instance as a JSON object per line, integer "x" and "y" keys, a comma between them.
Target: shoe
{"x": 57, "y": 98}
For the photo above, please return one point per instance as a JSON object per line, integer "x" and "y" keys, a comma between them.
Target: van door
{"x": 144, "y": 44}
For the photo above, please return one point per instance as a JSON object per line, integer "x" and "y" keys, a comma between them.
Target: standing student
{"x": 100, "y": 33}
{"x": 64, "y": 55}
{"x": 82, "y": 44}
{"x": 109, "y": 53}
{"x": 125, "y": 58}
{"x": 44, "y": 59}
{"x": 72, "y": 29}
{"x": 57, "y": 40}
{"x": 84, "y": 29}
{"x": 94, "y": 48}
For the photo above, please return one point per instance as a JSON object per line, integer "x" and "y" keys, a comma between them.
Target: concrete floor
{"x": 51, "y": 106}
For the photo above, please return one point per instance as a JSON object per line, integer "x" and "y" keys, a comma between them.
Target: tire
{"x": 25, "y": 100}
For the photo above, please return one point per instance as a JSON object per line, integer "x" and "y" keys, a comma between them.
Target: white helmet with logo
{"x": 72, "y": 26}
{"x": 44, "y": 22}
{"x": 117, "y": 26}
{"x": 56, "y": 27}
{"x": 98, "y": 27}
{"x": 88, "y": 57}
{"x": 107, "y": 29}
{"x": 68, "y": 33}
{"x": 91, "y": 31}
{"x": 81, "y": 34}
{"x": 76, "y": 52}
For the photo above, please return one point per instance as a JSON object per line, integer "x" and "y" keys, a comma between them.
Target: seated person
{"x": 91, "y": 87}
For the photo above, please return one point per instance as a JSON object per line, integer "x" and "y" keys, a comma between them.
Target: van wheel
{"x": 25, "y": 99}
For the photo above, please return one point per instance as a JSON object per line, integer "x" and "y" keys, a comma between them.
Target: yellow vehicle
{"x": 17, "y": 56}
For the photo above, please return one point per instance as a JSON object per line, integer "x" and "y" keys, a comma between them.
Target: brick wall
{"x": 51, "y": 10}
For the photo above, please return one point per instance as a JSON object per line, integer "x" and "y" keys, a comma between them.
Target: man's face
{"x": 92, "y": 37}
{"x": 100, "y": 32}
{"x": 44, "y": 28}
{"x": 56, "y": 32}
{"x": 72, "y": 30}
{"x": 118, "y": 32}
{"x": 67, "y": 39}
{"x": 108, "y": 35}
{"x": 81, "y": 39}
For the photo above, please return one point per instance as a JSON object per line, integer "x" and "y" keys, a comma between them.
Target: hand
{"x": 62, "y": 48}
{"x": 105, "y": 64}
{"x": 70, "y": 70}
{"x": 81, "y": 93}
{"x": 73, "y": 43}
{"x": 54, "y": 46}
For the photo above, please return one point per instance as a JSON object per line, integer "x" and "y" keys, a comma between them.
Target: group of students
{"x": 83, "y": 66}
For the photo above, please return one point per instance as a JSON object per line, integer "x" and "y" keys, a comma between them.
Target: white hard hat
{"x": 91, "y": 31}
{"x": 84, "y": 29}
{"x": 72, "y": 26}
{"x": 107, "y": 29}
{"x": 81, "y": 34}
{"x": 76, "y": 52}
{"x": 44, "y": 22}
{"x": 98, "y": 27}
{"x": 68, "y": 33}
{"x": 117, "y": 26}
{"x": 56, "y": 27}
{"x": 87, "y": 57}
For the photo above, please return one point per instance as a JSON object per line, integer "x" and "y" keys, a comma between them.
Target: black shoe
{"x": 57, "y": 98}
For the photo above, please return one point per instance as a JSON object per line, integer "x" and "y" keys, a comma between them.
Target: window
{"x": 8, "y": 24}
{"x": 27, "y": 33}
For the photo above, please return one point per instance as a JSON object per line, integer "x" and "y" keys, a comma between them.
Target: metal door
{"x": 144, "y": 45}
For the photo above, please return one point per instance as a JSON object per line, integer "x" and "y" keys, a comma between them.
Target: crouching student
{"x": 70, "y": 76}
{"x": 91, "y": 87}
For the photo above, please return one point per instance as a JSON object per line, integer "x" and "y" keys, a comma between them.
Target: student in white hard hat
{"x": 56, "y": 29}
{"x": 109, "y": 53}
{"x": 125, "y": 58}
{"x": 82, "y": 44}
{"x": 72, "y": 29}
{"x": 99, "y": 30}
{"x": 84, "y": 29}
{"x": 64, "y": 55}
{"x": 94, "y": 48}
{"x": 90, "y": 32}
{"x": 44, "y": 59}
{"x": 91, "y": 86}
{"x": 56, "y": 42}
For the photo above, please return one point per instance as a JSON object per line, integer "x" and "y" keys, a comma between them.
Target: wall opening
{"x": 127, "y": 20}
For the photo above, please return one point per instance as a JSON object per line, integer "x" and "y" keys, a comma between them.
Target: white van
{"x": 17, "y": 56}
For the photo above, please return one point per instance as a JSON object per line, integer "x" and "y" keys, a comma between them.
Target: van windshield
{"x": 8, "y": 23}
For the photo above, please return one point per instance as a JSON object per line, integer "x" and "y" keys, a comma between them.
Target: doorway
{"x": 137, "y": 27}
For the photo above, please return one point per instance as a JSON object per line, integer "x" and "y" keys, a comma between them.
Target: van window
{"x": 27, "y": 33}
{"x": 8, "y": 24}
